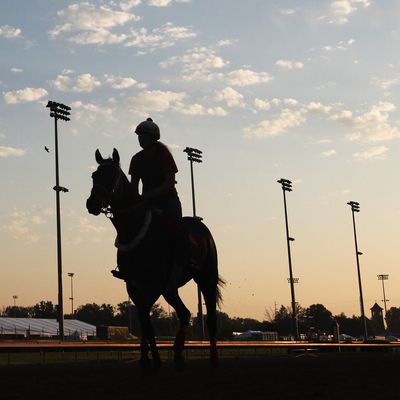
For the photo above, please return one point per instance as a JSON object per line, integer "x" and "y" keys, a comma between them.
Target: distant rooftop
{"x": 42, "y": 326}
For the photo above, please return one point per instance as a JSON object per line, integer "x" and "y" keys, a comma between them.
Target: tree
{"x": 95, "y": 314}
{"x": 17, "y": 312}
{"x": 319, "y": 317}
{"x": 393, "y": 320}
{"x": 44, "y": 309}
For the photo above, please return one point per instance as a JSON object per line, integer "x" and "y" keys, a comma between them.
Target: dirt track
{"x": 326, "y": 376}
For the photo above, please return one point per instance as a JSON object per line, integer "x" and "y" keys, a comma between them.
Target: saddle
{"x": 133, "y": 263}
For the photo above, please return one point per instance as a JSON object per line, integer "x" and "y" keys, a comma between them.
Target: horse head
{"x": 106, "y": 182}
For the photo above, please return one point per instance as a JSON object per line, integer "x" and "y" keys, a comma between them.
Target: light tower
{"x": 59, "y": 111}
{"x": 355, "y": 207}
{"x": 71, "y": 275}
{"x": 287, "y": 187}
{"x": 195, "y": 155}
{"x": 383, "y": 278}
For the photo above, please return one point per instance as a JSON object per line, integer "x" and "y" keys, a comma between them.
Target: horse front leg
{"x": 157, "y": 363}
{"x": 148, "y": 343}
{"x": 173, "y": 299}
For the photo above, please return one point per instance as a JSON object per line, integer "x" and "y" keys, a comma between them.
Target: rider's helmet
{"x": 148, "y": 127}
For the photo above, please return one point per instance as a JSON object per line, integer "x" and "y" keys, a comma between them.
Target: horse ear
{"x": 99, "y": 157}
{"x": 115, "y": 156}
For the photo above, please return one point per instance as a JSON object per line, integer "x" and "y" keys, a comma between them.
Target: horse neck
{"x": 127, "y": 219}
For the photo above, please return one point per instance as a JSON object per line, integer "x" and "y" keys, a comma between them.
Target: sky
{"x": 306, "y": 91}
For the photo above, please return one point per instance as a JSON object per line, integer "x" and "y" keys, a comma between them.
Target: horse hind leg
{"x": 184, "y": 317}
{"x": 210, "y": 298}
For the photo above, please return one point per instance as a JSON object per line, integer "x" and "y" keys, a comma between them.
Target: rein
{"x": 139, "y": 237}
{"x": 109, "y": 210}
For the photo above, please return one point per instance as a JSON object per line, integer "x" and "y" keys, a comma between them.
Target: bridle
{"x": 115, "y": 189}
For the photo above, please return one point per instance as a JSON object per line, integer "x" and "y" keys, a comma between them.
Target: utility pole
{"x": 195, "y": 155}
{"x": 59, "y": 111}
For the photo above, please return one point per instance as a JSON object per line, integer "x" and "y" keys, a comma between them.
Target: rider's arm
{"x": 135, "y": 183}
{"x": 169, "y": 183}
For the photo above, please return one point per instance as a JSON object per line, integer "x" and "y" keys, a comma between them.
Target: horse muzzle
{"x": 93, "y": 206}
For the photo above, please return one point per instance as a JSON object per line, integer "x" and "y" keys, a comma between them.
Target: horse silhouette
{"x": 146, "y": 251}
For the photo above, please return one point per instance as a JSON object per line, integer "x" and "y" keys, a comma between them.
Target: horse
{"x": 146, "y": 251}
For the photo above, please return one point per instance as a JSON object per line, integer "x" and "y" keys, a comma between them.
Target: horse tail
{"x": 220, "y": 284}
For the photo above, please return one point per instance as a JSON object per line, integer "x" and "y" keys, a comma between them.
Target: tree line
{"x": 315, "y": 318}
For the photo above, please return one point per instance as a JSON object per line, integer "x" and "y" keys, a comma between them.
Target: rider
{"x": 155, "y": 167}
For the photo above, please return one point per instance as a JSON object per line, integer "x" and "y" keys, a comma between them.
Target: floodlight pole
{"x": 383, "y": 278}
{"x": 287, "y": 187}
{"x": 59, "y": 111}
{"x": 355, "y": 207}
{"x": 195, "y": 155}
{"x": 71, "y": 275}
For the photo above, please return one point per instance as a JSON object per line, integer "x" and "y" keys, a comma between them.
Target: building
{"x": 377, "y": 321}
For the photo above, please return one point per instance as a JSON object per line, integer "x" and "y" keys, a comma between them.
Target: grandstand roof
{"x": 42, "y": 326}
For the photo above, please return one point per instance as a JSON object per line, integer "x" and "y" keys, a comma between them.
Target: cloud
{"x": 90, "y": 111}
{"x": 261, "y": 104}
{"x": 318, "y": 108}
{"x": 199, "y": 110}
{"x": 287, "y": 119}
{"x": 287, "y": 11}
{"x": 19, "y": 227}
{"x": 342, "y": 9}
{"x": 155, "y": 100}
{"x": 128, "y": 5}
{"x": 24, "y": 95}
{"x": 164, "y": 3}
{"x": 162, "y": 37}
{"x": 9, "y": 32}
{"x": 119, "y": 82}
{"x": 375, "y": 153}
{"x": 80, "y": 83}
{"x": 386, "y": 84}
{"x": 37, "y": 220}
{"x": 231, "y": 97}
{"x": 11, "y": 152}
{"x": 374, "y": 125}
{"x": 287, "y": 64}
{"x": 86, "y": 226}
{"x": 16, "y": 70}
{"x": 328, "y": 153}
{"x": 246, "y": 77}
{"x": 224, "y": 43}
{"x": 342, "y": 45}
{"x": 197, "y": 64}
{"x": 93, "y": 24}
{"x": 323, "y": 141}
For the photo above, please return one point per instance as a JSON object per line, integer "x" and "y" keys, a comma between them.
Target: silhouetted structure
{"x": 377, "y": 319}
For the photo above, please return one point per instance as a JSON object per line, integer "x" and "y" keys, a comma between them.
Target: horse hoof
{"x": 180, "y": 363}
